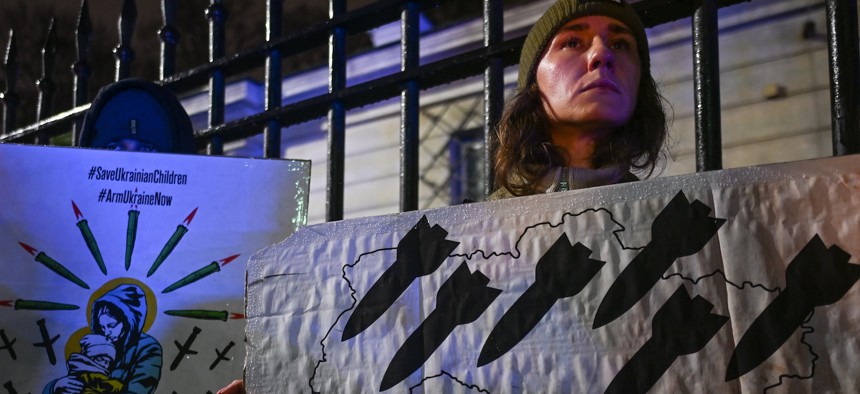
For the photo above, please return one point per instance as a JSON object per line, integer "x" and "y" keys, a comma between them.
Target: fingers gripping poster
{"x": 736, "y": 281}
{"x": 124, "y": 272}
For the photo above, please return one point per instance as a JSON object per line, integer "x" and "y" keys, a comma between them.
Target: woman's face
{"x": 111, "y": 327}
{"x": 589, "y": 74}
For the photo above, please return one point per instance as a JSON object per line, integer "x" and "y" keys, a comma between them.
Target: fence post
{"x": 336, "y": 116}
{"x": 123, "y": 53}
{"x": 706, "y": 73}
{"x": 45, "y": 83}
{"x": 10, "y": 95}
{"x": 217, "y": 15}
{"x": 494, "y": 88}
{"x": 409, "y": 107}
{"x": 844, "y": 81}
{"x": 272, "y": 134}
{"x": 81, "y": 68}
{"x": 169, "y": 38}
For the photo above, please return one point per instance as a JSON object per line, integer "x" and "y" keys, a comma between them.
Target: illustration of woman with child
{"x": 117, "y": 357}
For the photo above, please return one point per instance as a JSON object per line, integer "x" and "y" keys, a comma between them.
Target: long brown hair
{"x": 525, "y": 152}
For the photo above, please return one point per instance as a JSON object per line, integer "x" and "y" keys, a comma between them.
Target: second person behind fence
{"x": 136, "y": 115}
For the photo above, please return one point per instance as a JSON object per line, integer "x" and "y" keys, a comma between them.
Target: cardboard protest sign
{"x": 739, "y": 281}
{"x": 125, "y": 272}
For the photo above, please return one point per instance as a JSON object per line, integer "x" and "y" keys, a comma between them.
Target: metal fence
{"x": 489, "y": 61}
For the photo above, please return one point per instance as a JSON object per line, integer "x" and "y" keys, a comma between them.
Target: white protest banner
{"x": 124, "y": 272}
{"x": 734, "y": 281}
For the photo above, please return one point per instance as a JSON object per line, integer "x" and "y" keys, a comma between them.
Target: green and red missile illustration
{"x": 204, "y": 314}
{"x": 130, "y": 235}
{"x": 181, "y": 229}
{"x": 209, "y": 269}
{"x": 89, "y": 238}
{"x": 32, "y": 305}
{"x": 53, "y": 265}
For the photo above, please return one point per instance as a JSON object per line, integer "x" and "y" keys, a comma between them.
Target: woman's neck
{"x": 579, "y": 145}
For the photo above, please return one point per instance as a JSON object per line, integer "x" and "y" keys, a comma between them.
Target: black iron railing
{"x": 489, "y": 60}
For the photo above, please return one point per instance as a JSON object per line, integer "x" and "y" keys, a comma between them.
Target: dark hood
{"x": 131, "y": 302}
{"x": 140, "y": 110}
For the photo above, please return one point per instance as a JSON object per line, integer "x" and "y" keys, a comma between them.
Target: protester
{"x": 587, "y": 110}
{"x": 136, "y": 115}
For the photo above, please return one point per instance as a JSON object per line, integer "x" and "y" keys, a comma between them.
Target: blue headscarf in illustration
{"x": 119, "y": 316}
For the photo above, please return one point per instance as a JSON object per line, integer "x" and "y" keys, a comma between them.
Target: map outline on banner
{"x": 693, "y": 279}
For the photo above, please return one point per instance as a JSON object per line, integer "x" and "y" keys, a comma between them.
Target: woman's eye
{"x": 573, "y": 44}
{"x": 620, "y": 44}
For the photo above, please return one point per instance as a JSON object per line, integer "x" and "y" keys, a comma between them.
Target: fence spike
{"x": 409, "y": 107}
{"x": 217, "y": 16}
{"x": 45, "y": 83}
{"x": 336, "y": 116}
{"x": 842, "y": 50}
{"x": 10, "y": 95}
{"x": 169, "y": 38}
{"x": 272, "y": 132}
{"x": 123, "y": 52}
{"x": 81, "y": 67}
{"x": 706, "y": 85}
{"x": 494, "y": 90}
{"x": 83, "y": 37}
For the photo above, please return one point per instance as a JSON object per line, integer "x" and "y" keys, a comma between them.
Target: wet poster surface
{"x": 740, "y": 281}
{"x": 125, "y": 272}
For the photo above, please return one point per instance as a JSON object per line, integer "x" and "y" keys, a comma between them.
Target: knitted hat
{"x": 564, "y": 11}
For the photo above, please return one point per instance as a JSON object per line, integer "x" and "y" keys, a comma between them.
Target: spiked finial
{"x": 83, "y": 31}
{"x": 10, "y": 97}
{"x": 123, "y": 52}
{"x": 45, "y": 83}
{"x": 169, "y": 38}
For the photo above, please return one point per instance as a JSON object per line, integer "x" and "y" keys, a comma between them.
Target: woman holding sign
{"x": 587, "y": 110}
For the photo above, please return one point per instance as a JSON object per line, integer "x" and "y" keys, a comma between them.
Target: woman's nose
{"x": 600, "y": 55}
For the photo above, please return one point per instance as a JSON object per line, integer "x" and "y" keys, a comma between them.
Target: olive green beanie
{"x": 564, "y": 11}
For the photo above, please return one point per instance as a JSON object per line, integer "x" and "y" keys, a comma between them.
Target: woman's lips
{"x": 601, "y": 84}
